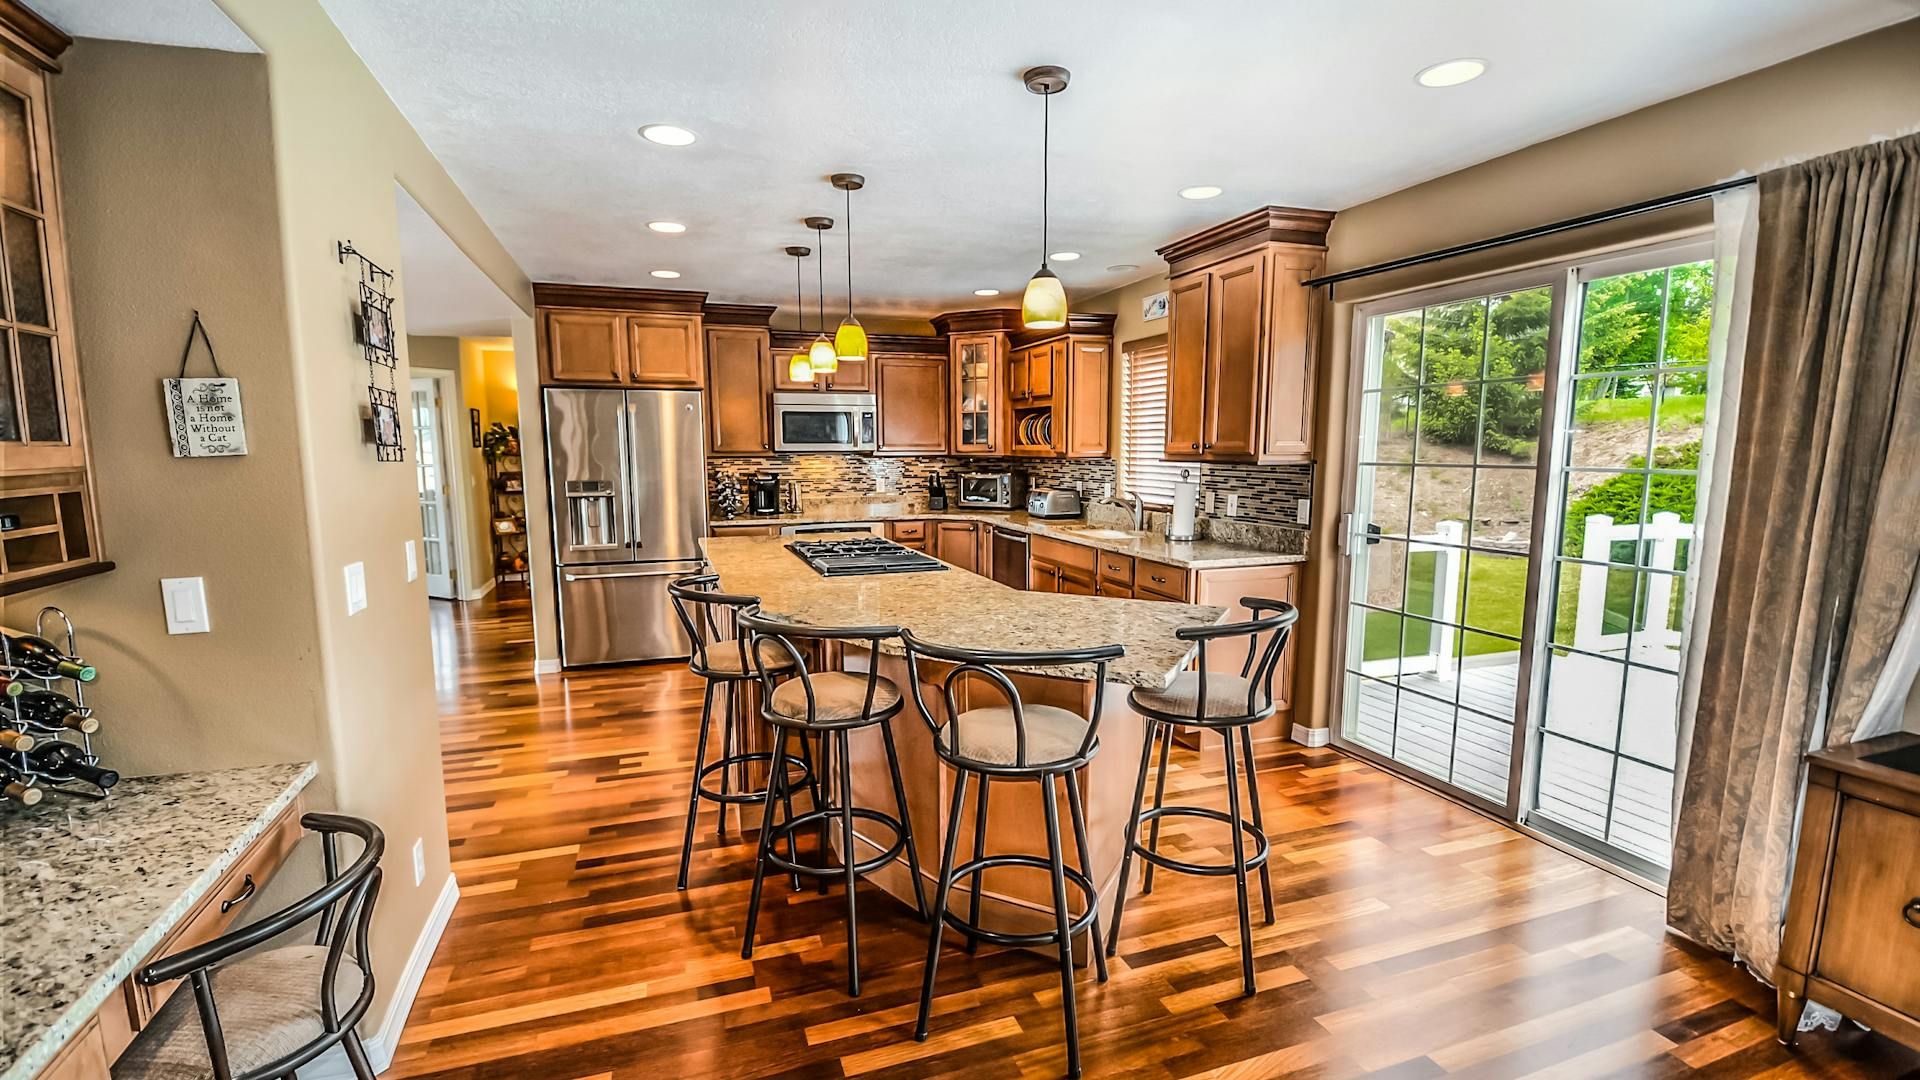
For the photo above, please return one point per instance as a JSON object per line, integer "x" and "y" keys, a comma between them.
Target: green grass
{"x": 1497, "y": 587}
{"x": 1679, "y": 411}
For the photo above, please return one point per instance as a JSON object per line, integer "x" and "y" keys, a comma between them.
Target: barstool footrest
{"x": 1255, "y": 859}
{"x": 831, "y": 816}
{"x": 737, "y": 798}
{"x": 1032, "y": 862}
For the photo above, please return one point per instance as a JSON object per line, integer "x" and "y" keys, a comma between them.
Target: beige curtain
{"x": 1822, "y": 533}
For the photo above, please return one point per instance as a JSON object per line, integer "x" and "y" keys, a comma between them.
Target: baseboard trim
{"x": 546, "y": 667}
{"x": 481, "y": 592}
{"x": 382, "y": 1043}
{"x": 1312, "y": 736}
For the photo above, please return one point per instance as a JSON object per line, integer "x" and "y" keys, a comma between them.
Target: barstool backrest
{"x": 697, "y": 600}
{"x": 770, "y": 638}
{"x": 988, "y": 664}
{"x": 1275, "y": 618}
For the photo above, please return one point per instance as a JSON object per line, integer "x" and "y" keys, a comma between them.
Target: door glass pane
{"x": 1483, "y": 754}
{"x": 1495, "y": 595}
{"x": 30, "y": 301}
{"x": 1489, "y": 674}
{"x": 1391, "y": 413}
{"x": 1442, "y": 503}
{"x": 40, "y": 387}
{"x": 16, "y": 152}
{"x": 9, "y": 416}
{"x": 1502, "y": 509}
{"x": 1383, "y": 494}
{"x": 1575, "y": 784}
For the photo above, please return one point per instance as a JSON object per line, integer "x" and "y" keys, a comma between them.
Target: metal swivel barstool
{"x": 722, "y": 661}
{"x": 1231, "y": 705}
{"x": 1014, "y": 741}
{"x": 829, "y": 704}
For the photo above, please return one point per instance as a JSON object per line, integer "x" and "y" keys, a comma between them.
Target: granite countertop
{"x": 89, "y": 889}
{"x": 1201, "y": 554}
{"x": 954, "y": 607}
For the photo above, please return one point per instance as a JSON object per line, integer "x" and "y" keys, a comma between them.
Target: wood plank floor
{"x": 1414, "y": 937}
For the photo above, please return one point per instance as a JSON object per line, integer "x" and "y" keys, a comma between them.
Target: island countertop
{"x": 955, "y": 607}
{"x": 89, "y": 889}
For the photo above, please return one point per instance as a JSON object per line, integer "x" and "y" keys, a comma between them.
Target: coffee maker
{"x": 763, "y": 493}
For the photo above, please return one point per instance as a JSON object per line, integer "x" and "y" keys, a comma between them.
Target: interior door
{"x": 430, "y": 475}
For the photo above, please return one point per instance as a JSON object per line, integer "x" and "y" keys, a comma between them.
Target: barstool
{"x": 829, "y": 704}
{"x": 722, "y": 661}
{"x": 1015, "y": 741}
{"x": 1228, "y": 704}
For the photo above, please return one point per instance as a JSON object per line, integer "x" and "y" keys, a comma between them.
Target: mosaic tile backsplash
{"x": 1269, "y": 494}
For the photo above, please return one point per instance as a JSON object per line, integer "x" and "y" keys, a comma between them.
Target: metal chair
{"x": 1228, "y": 704}
{"x": 1028, "y": 743}
{"x": 827, "y": 704}
{"x": 282, "y": 1006}
{"x": 721, "y": 660}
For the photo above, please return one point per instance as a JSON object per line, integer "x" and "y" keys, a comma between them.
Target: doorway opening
{"x": 440, "y": 513}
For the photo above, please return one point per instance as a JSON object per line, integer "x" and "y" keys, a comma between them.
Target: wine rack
{"x": 22, "y": 778}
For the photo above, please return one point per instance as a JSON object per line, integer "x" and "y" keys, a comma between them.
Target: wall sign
{"x": 203, "y": 415}
{"x": 1154, "y": 307}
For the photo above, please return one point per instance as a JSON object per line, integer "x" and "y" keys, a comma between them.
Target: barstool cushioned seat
{"x": 1226, "y": 695}
{"x": 837, "y": 695}
{"x": 269, "y": 1007}
{"x": 723, "y": 657}
{"x": 988, "y": 735}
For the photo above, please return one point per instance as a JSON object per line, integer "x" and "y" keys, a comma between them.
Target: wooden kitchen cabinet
{"x": 911, "y": 534}
{"x": 664, "y": 351}
{"x": 978, "y": 393}
{"x": 603, "y": 336}
{"x": 1060, "y": 566}
{"x": 725, "y": 529}
{"x": 1241, "y": 333}
{"x": 1113, "y": 575}
{"x": 738, "y": 372}
{"x": 912, "y": 393}
{"x": 585, "y": 347}
{"x": 958, "y": 544}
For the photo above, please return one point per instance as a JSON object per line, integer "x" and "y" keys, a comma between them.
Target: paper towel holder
{"x": 1181, "y": 522}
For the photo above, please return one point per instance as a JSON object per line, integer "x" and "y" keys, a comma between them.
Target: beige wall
{"x": 1828, "y": 100}
{"x": 166, "y": 161}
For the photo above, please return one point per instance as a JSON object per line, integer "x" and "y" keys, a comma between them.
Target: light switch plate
{"x": 413, "y": 566}
{"x": 1206, "y": 502}
{"x": 185, "y": 600}
{"x": 356, "y": 588}
{"x": 1303, "y": 511}
{"x": 1233, "y": 503}
{"x": 419, "y": 860}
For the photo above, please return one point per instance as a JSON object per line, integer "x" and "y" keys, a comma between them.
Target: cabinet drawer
{"x": 235, "y": 890}
{"x": 1069, "y": 557}
{"x": 1116, "y": 569}
{"x": 906, "y": 530}
{"x": 1163, "y": 581}
{"x": 1872, "y": 926}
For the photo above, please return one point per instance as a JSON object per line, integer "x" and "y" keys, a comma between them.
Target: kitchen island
{"x": 956, "y": 607}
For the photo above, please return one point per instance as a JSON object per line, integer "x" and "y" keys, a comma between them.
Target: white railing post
{"x": 1446, "y": 593}
{"x": 1666, "y": 534}
{"x": 1589, "y": 621}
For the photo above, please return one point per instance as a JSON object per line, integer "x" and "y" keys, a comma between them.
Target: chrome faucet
{"x": 1139, "y": 511}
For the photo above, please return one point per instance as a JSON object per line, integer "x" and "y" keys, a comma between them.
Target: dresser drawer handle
{"x": 1912, "y": 913}
{"x": 241, "y": 897}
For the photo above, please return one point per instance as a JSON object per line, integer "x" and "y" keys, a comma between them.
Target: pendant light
{"x": 821, "y": 354}
{"x": 850, "y": 341}
{"x": 799, "y": 367}
{"x": 1045, "y": 305}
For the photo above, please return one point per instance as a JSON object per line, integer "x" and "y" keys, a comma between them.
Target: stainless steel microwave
{"x": 994, "y": 490}
{"x": 804, "y": 423}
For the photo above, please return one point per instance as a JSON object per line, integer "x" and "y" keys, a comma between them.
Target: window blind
{"x": 1143, "y": 429}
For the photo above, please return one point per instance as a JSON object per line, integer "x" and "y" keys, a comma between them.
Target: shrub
{"x": 1618, "y": 497}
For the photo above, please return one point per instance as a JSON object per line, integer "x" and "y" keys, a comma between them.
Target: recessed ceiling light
{"x": 1199, "y": 191}
{"x": 1116, "y": 267}
{"x": 1452, "y": 72}
{"x": 666, "y": 273}
{"x": 666, "y": 226}
{"x": 667, "y": 135}
{"x": 986, "y": 292}
{"x": 1063, "y": 256}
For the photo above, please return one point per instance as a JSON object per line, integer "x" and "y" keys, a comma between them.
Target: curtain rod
{"x": 1582, "y": 221}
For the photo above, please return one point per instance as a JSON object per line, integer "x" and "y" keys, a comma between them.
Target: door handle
{"x": 631, "y": 574}
{"x": 1373, "y": 533}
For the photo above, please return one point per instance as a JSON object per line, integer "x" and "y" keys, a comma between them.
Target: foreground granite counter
{"x": 88, "y": 889}
{"x": 954, "y": 607}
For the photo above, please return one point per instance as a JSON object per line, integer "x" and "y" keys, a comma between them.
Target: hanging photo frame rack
{"x": 373, "y": 329}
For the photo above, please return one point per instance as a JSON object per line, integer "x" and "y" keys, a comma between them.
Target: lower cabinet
{"x": 1059, "y": 566}
{"x": 957, "y": 543}
{"x": 911, "y": 534}
{"x": 742, "y": 530}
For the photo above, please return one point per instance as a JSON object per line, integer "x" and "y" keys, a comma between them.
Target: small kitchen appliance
{"x": 936, "y": 492}
{"x": 862, "y": 555}
{"x": 993, "y": 490}
{"x": 1053, "y": 503}
{"x": 811, "y": 423}
{"x": 763, "y": 493}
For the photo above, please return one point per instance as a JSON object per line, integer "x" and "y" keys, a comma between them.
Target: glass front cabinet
{"x": 979, "y": 393}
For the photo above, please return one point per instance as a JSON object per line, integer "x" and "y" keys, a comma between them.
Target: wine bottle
{"x": 65, "y": 761}
{"x": 11, "y": 686}
{"x": 21, "y": 793}
{"x": 18, "y": 741}
{"x": 48, "y": 709}
{"x": 37, "y": 656}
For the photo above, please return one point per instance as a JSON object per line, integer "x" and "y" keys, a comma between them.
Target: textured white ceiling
{"x": 444, "y": 293}
{"x": 197, "y": 23}
{"x": 532, "y": 105}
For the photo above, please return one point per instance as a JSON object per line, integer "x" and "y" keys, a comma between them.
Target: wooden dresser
{"x": 1852, "y": 938}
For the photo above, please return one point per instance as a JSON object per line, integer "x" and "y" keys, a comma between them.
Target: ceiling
{"x": 196, "y": 23}
{"x": 445, "y": 294}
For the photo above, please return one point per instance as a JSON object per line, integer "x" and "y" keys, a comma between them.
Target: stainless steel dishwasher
{"x": 1010, "y": 557}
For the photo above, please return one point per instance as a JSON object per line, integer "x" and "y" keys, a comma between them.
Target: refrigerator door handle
{"x": 632, "y": 574}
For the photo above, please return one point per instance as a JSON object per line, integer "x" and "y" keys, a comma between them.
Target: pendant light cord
{"x": 849, "y": 254}
{"x": 797, "y": 301}
{"x": 1046, "y": 172}
{"x": 820, "y": 275}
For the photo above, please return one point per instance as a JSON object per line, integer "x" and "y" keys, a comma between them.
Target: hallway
{"x": 1414, "y": 938}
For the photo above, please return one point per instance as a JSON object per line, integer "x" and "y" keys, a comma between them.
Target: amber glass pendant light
{"x": 821, "y": 353}
{"x": 850, "y": 341}
{"x": 1044, "y": 307}
{"x": 799, "y": 367}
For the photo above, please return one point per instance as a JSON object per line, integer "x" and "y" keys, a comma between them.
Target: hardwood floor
{"x": 1414, "y": 938}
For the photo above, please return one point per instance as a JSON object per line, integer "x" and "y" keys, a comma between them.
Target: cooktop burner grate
{"x": 862, "y": 555}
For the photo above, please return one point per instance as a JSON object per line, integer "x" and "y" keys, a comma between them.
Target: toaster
{"x": 1053, "y": 503}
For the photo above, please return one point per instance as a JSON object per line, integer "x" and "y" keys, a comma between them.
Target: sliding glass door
{"x": 1520, "y": 531}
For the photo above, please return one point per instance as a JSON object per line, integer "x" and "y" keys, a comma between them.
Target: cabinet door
{"x": 1017, "y": 378}
{"x": 912, "y": 393}
{"x": 1186, "y": 364}
{"x": 957, "y": 543}
{"x": 737, "y": 370}
{"x": 1044, "y": 368}
{"x": 1086, "y": 399}
{"x": 1042, "y": 575}
{"x": 586, "y": 347}
{"x": 1292, "y": 330}
{"x": 781, "y": 365}
{"x": 664, "y": 350}
{"x": 1236, "y": 340}
{"x": 979, "y": 399}
{"x": 1876, "y": 880}
{"x": 850, "y": 376}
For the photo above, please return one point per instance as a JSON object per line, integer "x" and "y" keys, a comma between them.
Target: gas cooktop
{"x": 862, "y": 555}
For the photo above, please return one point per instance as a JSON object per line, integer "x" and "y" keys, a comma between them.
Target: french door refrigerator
{"x": 628, "y": 486}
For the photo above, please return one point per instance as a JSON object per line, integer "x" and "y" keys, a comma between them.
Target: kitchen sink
{"x": 1105, "y": 534}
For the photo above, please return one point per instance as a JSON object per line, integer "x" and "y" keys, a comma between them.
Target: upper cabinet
{"x": 1241, "y": 330}
{"x": 1028, "y": 393}
{"x": 978, "y": 367}
{"x": 849, "y": 377}
{"x": 739, "y": 378}
{"x": 598, "y": 336}
{"x": 912, "y": 398}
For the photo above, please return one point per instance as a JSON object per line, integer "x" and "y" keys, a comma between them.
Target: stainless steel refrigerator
{"x": 627, "y": 478}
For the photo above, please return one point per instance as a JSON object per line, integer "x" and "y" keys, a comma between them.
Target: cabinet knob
{"x": 1912, "y": 912}
{"x": 1196, "y": 446}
